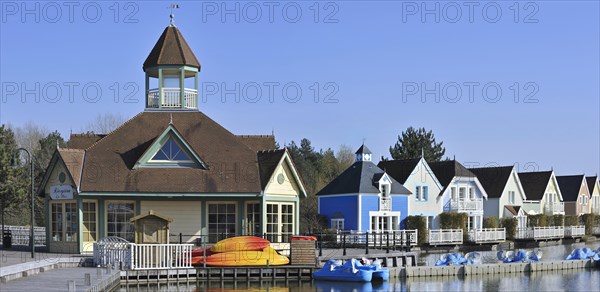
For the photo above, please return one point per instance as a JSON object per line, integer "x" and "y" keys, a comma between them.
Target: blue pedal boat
{"x": 351, "y": 271}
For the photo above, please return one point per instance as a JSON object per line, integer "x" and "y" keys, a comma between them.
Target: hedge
{"x": 418, "y": 223}
{"x": 490, "y": 222}
{"x": 511, "y": 227}
{"x": 589, "y": 220}
{"x": 557, "y": 220}
{"x": 539, "y": 220}
{"x": 571, "y": 220}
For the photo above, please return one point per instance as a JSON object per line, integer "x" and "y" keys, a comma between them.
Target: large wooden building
{"x": 174, "y": 160}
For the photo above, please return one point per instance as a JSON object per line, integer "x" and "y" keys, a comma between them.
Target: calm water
{"x": 570, "y": 280}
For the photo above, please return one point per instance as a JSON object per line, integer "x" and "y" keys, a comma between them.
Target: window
{"x": 64, "y": 223}
{"x": 385, "y": 189}
{"x": 171, "y": 151}
{"x": 57, "y": 221}
{"x": 417, "y": 193}
{"x": 89, "y": 221}
{"x": 221, "y": 221}
{"x": 472, "y": 194}
{"x": 287, "y": 222}
{"x": 117, "y": 220}
{"x": 511, "y": 197}
{"x": 462, "y": 193}
{"x": 280, "y": 222}
{"x": 453, "y": 193}
{"x": 337, "y": 224}
{"x": 425, "y": 193}
{"x": 253, "y": 218}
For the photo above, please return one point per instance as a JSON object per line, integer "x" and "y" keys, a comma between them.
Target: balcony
{"x": 464, "y": 205}
{"x": 171, "y": 98}
{"x": 554, "y": 208}
{"x": 385, "y": 204}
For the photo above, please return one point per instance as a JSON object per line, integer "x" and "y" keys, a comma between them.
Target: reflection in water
{"x": 568, "y": 280}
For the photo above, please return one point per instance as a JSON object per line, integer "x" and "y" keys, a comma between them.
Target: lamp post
{"x": 31, "y": 235}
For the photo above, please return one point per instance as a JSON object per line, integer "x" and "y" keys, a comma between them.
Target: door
{"x": 89, "y": 230}
{"x": 280, "y": 221}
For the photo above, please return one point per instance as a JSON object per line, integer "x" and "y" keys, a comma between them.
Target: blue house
{"x": 364, "y": 198}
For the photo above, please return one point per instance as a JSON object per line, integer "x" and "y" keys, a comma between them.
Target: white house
{"x": 543, "y": 193}
{"x": 417, "y": 176}
{"x": 505, "y": 193}
{"x": 594, "y": 188}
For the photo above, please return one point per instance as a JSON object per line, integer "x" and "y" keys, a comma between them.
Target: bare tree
{"x": 104, "y": 123}
{"x": 29, "y": 135}
{"x": 345, "y": 157}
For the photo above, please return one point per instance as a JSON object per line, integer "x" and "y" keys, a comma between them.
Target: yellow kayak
{"x": 243, "y": 258}
{"x": 240, "y": 243}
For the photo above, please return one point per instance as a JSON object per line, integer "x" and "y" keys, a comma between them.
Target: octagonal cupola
{"x": 363, "y": 154}
{"x": 171, "y": 73}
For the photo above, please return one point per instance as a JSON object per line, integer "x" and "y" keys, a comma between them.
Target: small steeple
{"x": 363, "y": 153}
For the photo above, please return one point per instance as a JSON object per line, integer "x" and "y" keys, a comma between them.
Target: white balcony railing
{"x": 461, "y": 205}
{"x": 557, "y": 207}
{"x": 172, "y": 98}
{"x": 378, "y": 238}
{"x": 445, "y": 236}
{"x": 487, "y": 235}
{"x": 539, "y": 233}
{"x": 575, "y": 231}
{"x": 385, "y": 204}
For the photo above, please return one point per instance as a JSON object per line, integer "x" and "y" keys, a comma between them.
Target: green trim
{"x": 169, "y": 133}
{"x": 101, "y": 224}
{"x": 160, "y": 87}
{"x": 80, "y": 224}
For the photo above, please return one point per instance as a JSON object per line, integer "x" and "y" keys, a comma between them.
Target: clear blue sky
{"x": 374, "y": 53}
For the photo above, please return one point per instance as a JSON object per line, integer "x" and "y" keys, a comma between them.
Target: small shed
{"x": 151, "y": 227}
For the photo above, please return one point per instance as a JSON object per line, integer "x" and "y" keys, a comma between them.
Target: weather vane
{"x": 172, "y": 16}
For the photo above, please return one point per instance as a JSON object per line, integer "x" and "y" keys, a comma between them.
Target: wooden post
{"x": 180, "y": 238}
{"x": 367, "y": 242}
{"x": 387, "y": 242}
{"x": 321, "y": 245}
{"x": 87, "y": 279}
{"x": 344, "y": 244}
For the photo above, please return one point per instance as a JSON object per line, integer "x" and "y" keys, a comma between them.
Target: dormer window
{"x": 171, "y": 152}
{"x": 385, "y": 190}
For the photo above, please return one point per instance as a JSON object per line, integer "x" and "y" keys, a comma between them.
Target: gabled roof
{"x": 570, "y": 185}
{"x": 361, "y": 177}
{"x": 83, "y": 141}
{"x": 513, "y": 209}
{"x": 493, "y": 179}
{"x": 535, "y": 183}
{"x": 171, "y": 49}
{"x": 233, "y": 167}
{"x": 268, "y": 161}
{"x": 73, "y": 161}
{"x": 445, "y": 171}
{"x": 591, "y": 182}
{"x": 259, "y": 142}
{"x": 399, "y": 169}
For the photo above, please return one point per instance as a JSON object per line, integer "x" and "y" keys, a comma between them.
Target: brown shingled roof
{"x": 73, "y": 159}
{"x": 83, "y": 141}
{"x": 171, "y": 49}
{"x": 259, "y": 142}
{"x": 233, "y": 166}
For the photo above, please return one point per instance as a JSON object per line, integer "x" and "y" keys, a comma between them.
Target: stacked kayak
{"x": 239, "y": 251}
{"x": 351, "y": 271}
{"x": 584, "y": 254}
{"x": 520, "y": 256}
{"x": 457, "y": 259}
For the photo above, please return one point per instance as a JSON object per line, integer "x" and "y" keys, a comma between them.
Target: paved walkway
{"x": 50, "y": 272}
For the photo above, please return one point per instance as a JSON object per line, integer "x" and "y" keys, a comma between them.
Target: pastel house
{"x": 462, "y": 192}
{"x": 594, "y": 188}
{"x": 417, "y": 176}
{"x": 505, "y": 193}
{"x": 543, "y": 193}
{"x": 364, "y": 198}
{"x": 575, "y": 193}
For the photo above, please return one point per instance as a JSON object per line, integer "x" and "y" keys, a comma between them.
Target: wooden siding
{"x": 187, "y": 216}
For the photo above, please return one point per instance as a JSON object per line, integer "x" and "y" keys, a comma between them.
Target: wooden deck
{"x": 67, "y": 279}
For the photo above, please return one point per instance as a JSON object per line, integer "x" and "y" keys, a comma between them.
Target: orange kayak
{"x": 240, "y": 243}
{"x": 243, "y": 258}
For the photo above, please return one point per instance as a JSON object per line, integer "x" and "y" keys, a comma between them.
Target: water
{"x": 568, "y": 280}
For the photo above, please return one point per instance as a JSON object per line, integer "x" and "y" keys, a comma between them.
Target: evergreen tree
{"x": 13, "y": 183}
{"x": 412, "y": 142}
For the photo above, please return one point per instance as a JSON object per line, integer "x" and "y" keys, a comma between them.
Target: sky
{"x": 499, "y": 82}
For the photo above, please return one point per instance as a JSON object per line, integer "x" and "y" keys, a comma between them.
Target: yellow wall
{"x": 186, "y": 215}
{"x": 289, "y": 186}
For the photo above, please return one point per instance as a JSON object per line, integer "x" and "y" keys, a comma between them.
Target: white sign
{"x": 61, "y": 192}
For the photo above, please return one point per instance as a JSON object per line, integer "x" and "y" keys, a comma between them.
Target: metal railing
{"x": 385, "y": 204}
{"x": 537, "y": 233}
{"x": 378, "y": 239}
{"x": 160, "y": 256}
{"x": 21, "y": 234}
{"x": 487, "y": 235}
{"x": 172, "y": 98}
{"x": 575, "y": 231}
{"x": 557, "y": 207}
{"x": 445, "y": 236}
{"x": 458, "y": 205}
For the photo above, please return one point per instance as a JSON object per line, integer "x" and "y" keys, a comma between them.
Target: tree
{"x": 413, "y": 142}
{"x": 345, "y": 157}
{"x": 13, "y": 186}
{"x": 104, "y": 123}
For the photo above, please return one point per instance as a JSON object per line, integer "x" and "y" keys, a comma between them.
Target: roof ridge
{"x": 116, "y": 129}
